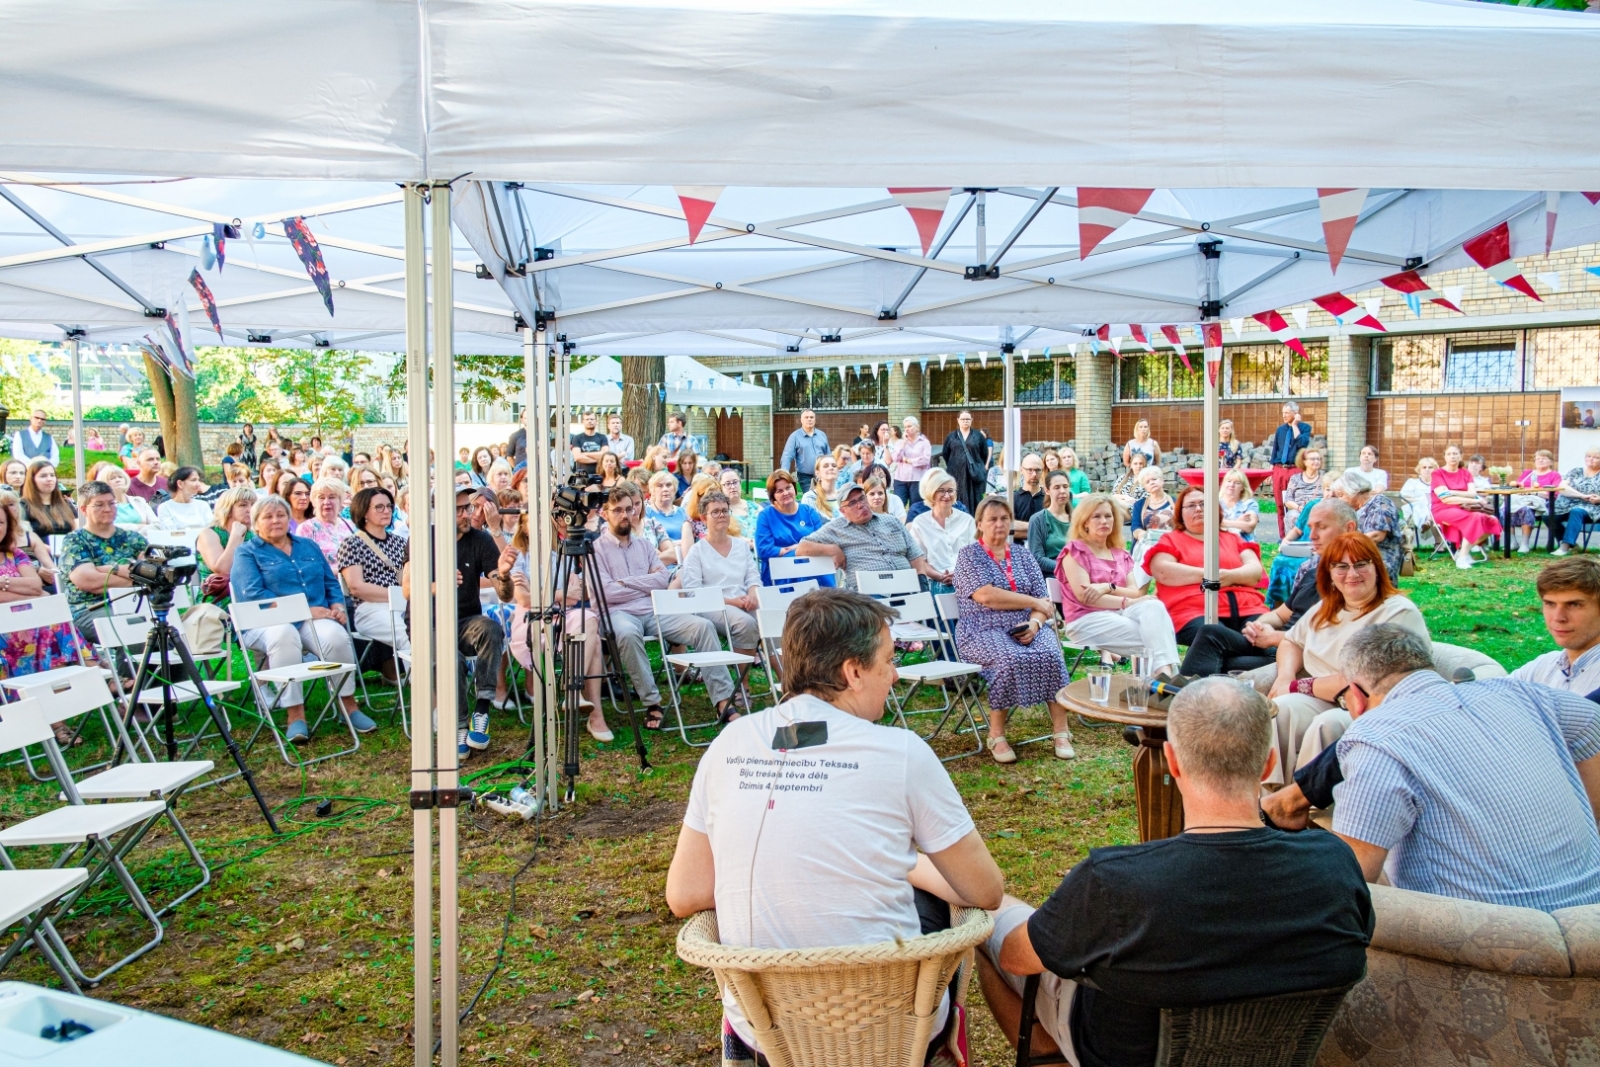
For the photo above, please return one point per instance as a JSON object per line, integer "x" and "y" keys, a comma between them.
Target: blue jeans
{"x": 1577, "y": 519}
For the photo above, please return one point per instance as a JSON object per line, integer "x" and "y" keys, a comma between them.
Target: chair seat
{"x": 136, "y": 781}
{"x": 305, "y": 672}
{"x": 913, "y": 631}
{"x": 937, "y": 670}
{"x": 75, "y": 823}
{"x": 24, "y": 682}
{"x": 186, "y": 691}
{"x": 709, "y": 659}
{"x": 22, "y": 892}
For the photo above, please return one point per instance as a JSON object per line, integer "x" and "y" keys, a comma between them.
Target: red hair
{"x": 1348, "y": 548}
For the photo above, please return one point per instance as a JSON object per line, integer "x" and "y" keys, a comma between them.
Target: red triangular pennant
{"x": 1491, "y": 250}
{"x": 1104, "y": 332}
{"x": 925, "y": 205}
{"x": 698, "y": 202}
{"x": 1593, "y": 198}
{"x": 1101, "y": 211}
{"x": 1275, "y": 322}
{"x": 1409, "y": 281}
{"x": 1340, "y": 210}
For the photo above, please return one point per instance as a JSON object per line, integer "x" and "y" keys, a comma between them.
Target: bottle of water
{"x": 519, "y": 795}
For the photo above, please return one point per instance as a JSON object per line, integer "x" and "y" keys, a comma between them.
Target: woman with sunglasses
{"x": 1356, "y": 593}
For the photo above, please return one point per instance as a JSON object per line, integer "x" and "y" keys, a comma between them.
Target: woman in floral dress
{"x": 30, "y": 651}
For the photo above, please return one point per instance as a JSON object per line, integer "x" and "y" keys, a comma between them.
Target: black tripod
{"x": 571, "y": 554}
{"x": 160, "y": 643}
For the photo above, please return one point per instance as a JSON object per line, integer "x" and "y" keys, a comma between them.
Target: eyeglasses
{"x": 1339, "y": 570}
{"x": 717, "y": 513}
{"x": 1343, "y": 700}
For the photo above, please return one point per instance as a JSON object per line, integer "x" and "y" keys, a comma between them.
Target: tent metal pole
{"x": 422, "y": 663}
{"x": 563, "y": 362}
{"x": 1211, "y": 329}
{"x": 982, "y": 228}
{"x": 536, "y": 369}
{"x": 444, "y": 564}
{"x": 79, "y": 459}
{"x": 1011, "y": 456}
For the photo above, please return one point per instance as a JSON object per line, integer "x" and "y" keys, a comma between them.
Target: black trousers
{"x": 1220, "y": 647}
{"x": 969, "y": 491}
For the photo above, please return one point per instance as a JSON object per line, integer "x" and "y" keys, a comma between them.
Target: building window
{"x": 1188, "y": 383}
{"x": 1561, "y": 357}
{"x": 1255, "y": 370}
{"x": 868, "y": 390}
{"x": 1408, "y": 364}
{"x": 986, "y": 384}
{"x": 947, "y": 385}
{"x": 1481, "y": 367}
{"x": 1066, "y": 380}
{"x": 1308, "y": 374}
{"x": 1142, "y": 377}
{"x": 1035, "y": 381}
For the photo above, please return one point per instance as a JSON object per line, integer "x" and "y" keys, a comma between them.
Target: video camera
{"x": 161, "y": 570}
{"x": 576, "y": 500}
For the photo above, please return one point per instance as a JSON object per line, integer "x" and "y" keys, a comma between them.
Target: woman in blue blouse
{"x": 276, "y": 563}
{"x": 784, "y": 523}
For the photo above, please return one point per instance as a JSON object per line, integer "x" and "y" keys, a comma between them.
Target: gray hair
{"x": 1355, "y": 483}
{"x": 267, "y": 502}
{"x": 1222, "y": 731}
{"x": 1292, "y": 406}
{"x": 1341, "y": 511}
{"x": 934, "y": 480}
{"x": 89, "y": 490}
{"x": 1383, "y": 650}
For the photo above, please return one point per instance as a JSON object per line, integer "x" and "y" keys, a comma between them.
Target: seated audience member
{"x": 370, "y": 561}
{"x": 1569, "y": 596}
{"x": 325, "y": 528}
{"x": 784, "y": 523}
{"x": 1027, "y": 498}
{"x": 1105, "y": 599}
{"x": 30, "y": 651}
{"x": 1218, "y": 649}
{"x": 1376, "y": 476}
{"x": 1152, "y": 513}
{"x": 1003, "y": 610}
{"x": 688, "y": 469}
{"x": 660, "y": 507}
{"x": 1355, "y": 593}
{"x": 1378, "y": 518}
{"x": 1416, "y": 494}
{"x": 1177, "y": 562}
{"x": 726, "y": 562}
{"x": 1230, "y": 450}
{"x": 508, "y": 502}
{"x": 744, "y": 512}
{"x": 147, "y": 483}
{"x": 1228, "y": 910}
{"x": 1080, "y": 480}
{"x": 859, "y": 540}
{"x": 45, "y": 508}
{"x": 629, "y": 570}
{"x": 1465, "y": 517}
{"x": 277, "y": 563}
{"x": 880, "y": 499}
{"x": 13, "y": 476}
{"x": 1578, "y": 504}
{"x": 883, "y": 850}
{"x": 694, "y": 526}
{"x": 236, "y": 475}
{"x": 95, "y": 558}
{"x": 578, "y": 618}
{"x": 1049, "y": 530}
{"x": 1127, "y": 488}
{"x": 1240, "y": 512}
{"x": 297, "y": 494}
{"x": 1305, "y": 484}
{"x": 942, "y": 531}
{"x": 218, "y": 544}
{"x": 185, "y": 511}
{"x": 824, "y": 492}
{"x": 1485, "y": 792}
{"x": 1527, "y": 507}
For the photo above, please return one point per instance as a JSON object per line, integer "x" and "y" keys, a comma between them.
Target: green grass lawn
{"x": 304, "y": 942}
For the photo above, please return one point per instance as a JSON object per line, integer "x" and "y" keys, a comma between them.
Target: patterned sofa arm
{"x": 1484, "y": 937}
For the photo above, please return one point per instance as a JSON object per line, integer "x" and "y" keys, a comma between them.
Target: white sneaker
{"x": 1562, "y": 551}
{"x": 1464, "y": 560}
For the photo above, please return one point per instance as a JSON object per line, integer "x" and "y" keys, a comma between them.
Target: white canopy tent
{"x": 688, "y": 383}
{"x": 1233, "y": 111}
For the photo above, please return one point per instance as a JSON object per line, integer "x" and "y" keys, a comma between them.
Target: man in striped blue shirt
{"x": 1488, "y": 791}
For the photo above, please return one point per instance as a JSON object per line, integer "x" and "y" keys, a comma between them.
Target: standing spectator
{"x": 1240, "y": 512}
{"x": 942, "y": 530}
{"x": 1288, "y": 441}
{"x": 966, "y": 457}
{"x": 1143, "y": 443}
{"x": 1105, "y": 602}
{"x": 859, "y": 540}
{"x": 882, "y": 442}
{"x": 1579, "y": 501}
{"x": 247, "y": 445}
{"x": 1527, "y": 507}
{"x": 185, "y": 511}
{"x": 1378, "y": 518}
{"x": 94, "y": 442}
{"x": 1028, "y": 498}
{"x": 586, "y": 446}
{"x": 1230, "y": 453}
{"x": 1369, "y": 469}
{"x": 1304, "y": 486}
{"x": 804, "y": 447}
{"x": 864, "y": 437}
{"x": 95, "y": 559}
{"x": 617, "y": 441}
{"x": 1049, "y": 530}
{"x": 32, "y": 442}
{"x": 1464, "y": 516}
{"x": 1004, "y": 607}
{"x": 911, "y": 460}
{"x": 1080, "y": 480}
{"x": 674, "y": 440}
{"x": 784, "y": 523}
{"x": 45, "y": 507}
{"x": 148, "y": 483}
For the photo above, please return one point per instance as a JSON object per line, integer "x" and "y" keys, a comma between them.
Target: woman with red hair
{"x": 1356, "y": 593}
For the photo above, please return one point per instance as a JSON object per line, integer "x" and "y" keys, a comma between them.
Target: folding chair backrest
{"x": 123, "y": 631}
{"x": 279, "y": 611}
{"x": 793, "y": 568}
{"x": 397, "y": 600}
{"x": 887, "y": 583}
{"x": 946, "y": 603}
{"x": 71, "y": 696}
{"x": 1053, "y": 587}
{"x": 702, "y": 601}
{"x": 34, "y": 614}
{"x": 22, "y": 723}
{"x": 185, "y": 538}
{"x": 915, "y": 607}
{"x": 779, "y": 597}
{"x": 769, "y": 622}
{"x": 129, "y": 601}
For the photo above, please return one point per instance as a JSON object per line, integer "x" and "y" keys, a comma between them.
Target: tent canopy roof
{"x": 1122, "y": 93}
{"x": 688, "y": 383}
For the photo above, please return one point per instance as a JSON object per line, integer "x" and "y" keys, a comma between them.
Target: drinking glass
{"x": 1100, "y": 684}
{"x": 1139, "y": 695}
{"x": 1139, "y": 664}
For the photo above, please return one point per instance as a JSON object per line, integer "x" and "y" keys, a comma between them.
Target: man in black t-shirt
{"x": 1228, "y": 910}
{"x": 587, "y": 446}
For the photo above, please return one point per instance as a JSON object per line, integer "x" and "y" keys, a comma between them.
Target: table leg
{"x": 1550, "y": 523}
{"x": 1156, "y": 796}
{"x": 1505, "y": 525}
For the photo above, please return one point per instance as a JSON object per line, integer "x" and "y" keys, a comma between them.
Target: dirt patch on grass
{"x": 613, "y": 820}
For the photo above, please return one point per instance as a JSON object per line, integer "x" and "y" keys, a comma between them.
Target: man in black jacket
{"x": 966, "y": 457}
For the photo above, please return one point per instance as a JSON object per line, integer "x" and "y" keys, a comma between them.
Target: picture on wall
{"x": 1580, "y": 425}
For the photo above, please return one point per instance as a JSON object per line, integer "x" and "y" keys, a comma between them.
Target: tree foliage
{"x": 323, "y": 388}
{"x": 23, "y": 386}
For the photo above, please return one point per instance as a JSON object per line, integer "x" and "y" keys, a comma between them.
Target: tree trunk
{"x": 644, "y": 411}
{"x": 161, "y": 397}
{"x": 184, "y": 443}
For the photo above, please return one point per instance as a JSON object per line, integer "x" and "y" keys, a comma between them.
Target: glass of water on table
{"x": 1138, "y": 691}
{"x": 1100, "y": 683}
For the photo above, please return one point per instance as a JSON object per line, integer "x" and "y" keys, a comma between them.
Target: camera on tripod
{"x": 161, "y": 570}
{"x": 576, "y": 500}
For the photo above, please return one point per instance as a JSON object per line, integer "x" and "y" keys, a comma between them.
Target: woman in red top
{"x": 1177, "y": 562}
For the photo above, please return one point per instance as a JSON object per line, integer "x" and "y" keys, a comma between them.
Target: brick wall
{"x": 757, "y": 448}
{"x": 1406, "y": 428}
{"x": 840, "y": 426}
{"x": 1348, "y": 379}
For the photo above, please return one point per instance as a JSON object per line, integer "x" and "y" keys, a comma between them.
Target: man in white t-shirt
{"x": 805, "y": 821}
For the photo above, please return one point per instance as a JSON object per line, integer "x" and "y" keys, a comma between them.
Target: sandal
{"x": 654, "y": 717}
{"x": 1001, "y": 749}
{"x": 1063, "y": 745}
{"x": 728, "y": 711}
{"x": 64, "y": 735}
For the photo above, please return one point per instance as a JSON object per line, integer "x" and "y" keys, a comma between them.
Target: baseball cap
{"x": 477, "y": 490}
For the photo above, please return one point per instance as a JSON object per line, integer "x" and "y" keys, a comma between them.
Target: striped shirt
{"x": 1558, "y": 672}
{"x": 1474, "y": 791}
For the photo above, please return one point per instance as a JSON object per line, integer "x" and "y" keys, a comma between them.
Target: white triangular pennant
{"x": 1237, "y": 326}
{"x": 1374, "y": 305}
{"x": 1551, "y": 280}
{"x": 1301, "y": 316}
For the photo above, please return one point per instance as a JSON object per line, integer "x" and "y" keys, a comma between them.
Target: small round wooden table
{"x": 1156, "y": 796}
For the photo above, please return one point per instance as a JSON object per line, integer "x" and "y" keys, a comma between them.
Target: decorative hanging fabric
{"x": 1280, "y": 329}
{"x": 306, "y": 247}
{"x": 1139, "y": 336}
{"x": 698, "y": 201}
{"x": 1491, "y": 250}
{"x": 207, "y": 301}
{"x": 221, "y": 234}
{"x": 1340, "y": 210}
{"x": 1102, "y": 211}
{"x": 1211, "y": 334}
{"x": 1416, "y": 290}
{"x": 1237, "y": 326}
{"x": 1338, "y": 305}
{"x": 1173, "y": 339}
{"x": 925, "y": 205}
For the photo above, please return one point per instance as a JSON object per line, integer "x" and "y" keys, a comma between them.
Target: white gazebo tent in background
{"x": 687, "y": 383}
{"x": 1237, "y": 97}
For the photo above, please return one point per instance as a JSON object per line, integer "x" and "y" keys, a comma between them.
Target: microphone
{"x": 1462, "y": 674}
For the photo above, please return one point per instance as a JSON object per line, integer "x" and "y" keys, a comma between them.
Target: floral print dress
{"x": 35, "y": 651}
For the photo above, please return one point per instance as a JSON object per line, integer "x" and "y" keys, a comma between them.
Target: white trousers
{"x": 382, "y": 625}
{"x": 1142, "y": 625}
{"x": 287, "y": 645}
{"x": 1304, "y": 726}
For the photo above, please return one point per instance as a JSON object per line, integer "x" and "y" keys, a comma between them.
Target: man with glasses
{"x": 1028, "y": 498}
{"x": 861, "y": 539}
{"x": 95, "y": 559}
{"x": 31, "y": 442}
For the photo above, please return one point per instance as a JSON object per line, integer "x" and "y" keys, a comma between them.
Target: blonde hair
{"x": 704, "y": 484}
{"x": 1087, "y": 505}
{"x": 1237, "y": 477}
{"x": 664, "y": 478}
{"x": 934, "y": 480}
{"x": 230, "y": 499}
{"x": 324, "y": 486}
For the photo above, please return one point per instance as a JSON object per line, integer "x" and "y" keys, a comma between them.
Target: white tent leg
{"x": 444, "y": 564}
{"x": 540, "y": 471}
{"x": 79, "y": 458}
{"x": 1211, "y": 312}
{"x": 422, "y": 660}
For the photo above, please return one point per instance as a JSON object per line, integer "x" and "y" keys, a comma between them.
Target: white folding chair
{"x": 705, "y": 601}
{"x": 883, "y": 584}
{"x": 402, "y": 665}
{"x": 270, "y": 684}
{"x": 950, "y": 609}
{"x": 1053, "y": 587}
{"x": 35, "y": 614}
{"x": 24, "y": 896}
{"x": 919, "y": 609}
{"x": 98, "y": 834}
{"x": 779, "y": 597}
{"x": 786, "y": 569}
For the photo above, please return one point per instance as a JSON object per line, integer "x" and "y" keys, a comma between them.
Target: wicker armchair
{"x": 1278, "y": 1031}
{"x": 849, "y": 1004}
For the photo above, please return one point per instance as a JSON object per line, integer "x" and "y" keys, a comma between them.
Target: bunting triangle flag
{"x": 1116, "y": 344}
{"x": 1211, "y": 337}
{"x": 207, "y": 301}
{"x": 1491, "y": 250}
{"x": 1236, "y": 325}
{"x": 1072, "y": 346}
{"x": 1102, "y": 211}
{"x": 1171, "y": 334}
{"x": 1411, "y": 284}
{"x": 1340, "y": 210}
{"x": 1593, "y": 198}
{"x": 1139, "y": 336}
{"x": 698, "y": 202}
{"x": 1280, "y": 328}
{"x": 1338, "y": 305}
{"x": 905, "y": 366}
{"x": 1552, "y": 208}
{"x": 925, "y": 205}
{"x": 1104, "y": 332}
{"x": 1302, "y": 316}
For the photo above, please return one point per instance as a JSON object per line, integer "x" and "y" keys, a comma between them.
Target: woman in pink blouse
{"x": 912, "y": 458}
{"x": 1463, "y": 515}
{"x": 1527, "y": 507}
{"x": 1103, "y": 595}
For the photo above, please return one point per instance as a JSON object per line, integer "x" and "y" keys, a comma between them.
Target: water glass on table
{"x": 1100, "y": 683}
